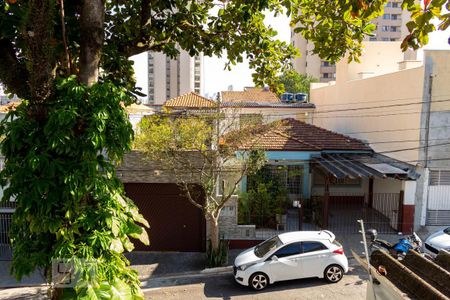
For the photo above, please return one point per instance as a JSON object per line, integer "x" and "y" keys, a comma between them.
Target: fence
{"x": 388, "y": 204}
{"x": 5, "y": 223}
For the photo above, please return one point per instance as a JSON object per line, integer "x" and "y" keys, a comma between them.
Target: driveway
{"x": 352, "y": 286}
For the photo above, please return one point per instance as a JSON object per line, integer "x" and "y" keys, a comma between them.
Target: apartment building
{"x": 401, "y": 109}
{"x": 169, "y": 78}
{"x": 391, "y": 26}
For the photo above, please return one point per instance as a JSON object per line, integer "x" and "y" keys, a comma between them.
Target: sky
{"x": 216, "y": 79}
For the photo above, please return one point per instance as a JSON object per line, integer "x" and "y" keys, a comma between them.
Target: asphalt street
{"x": 223, "y": 286}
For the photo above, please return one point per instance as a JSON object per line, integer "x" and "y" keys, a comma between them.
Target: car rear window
{"x": 447, "y": 230}
{"x": 313, "y": 246}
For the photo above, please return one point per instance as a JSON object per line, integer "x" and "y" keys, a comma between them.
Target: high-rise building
{"x": 169, "y": 78}
{"x": 391, "y": 26}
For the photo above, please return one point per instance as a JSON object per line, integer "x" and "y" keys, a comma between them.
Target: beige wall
{"x": 343, "y": 106}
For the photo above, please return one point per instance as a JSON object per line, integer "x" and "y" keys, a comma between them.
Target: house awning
{"x": 355, "y": 166}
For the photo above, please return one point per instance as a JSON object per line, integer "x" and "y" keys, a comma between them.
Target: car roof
{"x": 298, "y": 236}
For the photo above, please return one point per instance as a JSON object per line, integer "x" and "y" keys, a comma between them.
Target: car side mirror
{"x": 274, "y": 258}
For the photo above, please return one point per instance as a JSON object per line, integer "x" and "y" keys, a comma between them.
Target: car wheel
{"x": 258, "y": 281}
{"x": 333, "y": 273}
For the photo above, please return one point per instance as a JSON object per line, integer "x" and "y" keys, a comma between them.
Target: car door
{"x": 313, "y": 258}
{"x": 285, "y": 266}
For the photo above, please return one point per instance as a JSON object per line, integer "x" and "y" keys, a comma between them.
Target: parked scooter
{"x": 399, "y": 249}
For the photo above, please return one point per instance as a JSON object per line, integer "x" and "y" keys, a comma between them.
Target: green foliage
{"x": 217, "y": 257}
{"x": 201, "y": 149}
{"x": 60, "y": 168}
{"x": 336, "y": 27}
{"x": 294, "y": 82}
{"x": 266, "y": 196}
{"x": 422, "y": 16}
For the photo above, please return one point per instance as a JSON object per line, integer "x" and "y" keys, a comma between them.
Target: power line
{"x": 393, "y": 130}
{"x": 293, "y": 114}
{"x": 380, "y": 106}
{"x": 406, "y": 141}
{"x": 378, "y": 101}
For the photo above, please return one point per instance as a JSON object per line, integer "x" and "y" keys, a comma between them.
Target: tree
{"x": 69, "y": 61}
{"x": 294, "y": 82}
{"x": 204, "y": 150}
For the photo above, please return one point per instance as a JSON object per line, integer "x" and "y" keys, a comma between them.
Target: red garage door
{"x": 175, "y": 224}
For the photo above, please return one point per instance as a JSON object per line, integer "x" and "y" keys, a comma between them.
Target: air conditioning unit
{"x": 301, "y": 97}
{"x": 287, "y": 97}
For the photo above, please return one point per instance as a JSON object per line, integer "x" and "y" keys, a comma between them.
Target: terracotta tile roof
{"x": 294, "y": 135}
{"x": 250, "y": 95}
{"x": 190, "y": 100}
{"x": 10, "y": 106}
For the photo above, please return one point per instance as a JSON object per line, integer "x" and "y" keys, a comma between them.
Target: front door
{"x": 287, "y": 265}
{"x": 313, "y": 259}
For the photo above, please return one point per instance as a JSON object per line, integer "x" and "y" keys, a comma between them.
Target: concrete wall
{"x": 434, "y": 123}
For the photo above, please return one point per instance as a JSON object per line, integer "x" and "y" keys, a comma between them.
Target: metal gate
{"x": 175, "y": 223}
{"x": 5, "y": 223}
{"x": 438, "y": 204}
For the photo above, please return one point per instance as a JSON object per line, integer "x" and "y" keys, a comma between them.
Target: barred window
{"x": 440, "y": 177}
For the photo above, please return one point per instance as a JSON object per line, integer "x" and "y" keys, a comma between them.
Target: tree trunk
{"x": 214, "y": 232}
{"x": 92, "y": 35}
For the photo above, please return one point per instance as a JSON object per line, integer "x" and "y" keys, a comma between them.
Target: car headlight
{"x": 245, "y": 267}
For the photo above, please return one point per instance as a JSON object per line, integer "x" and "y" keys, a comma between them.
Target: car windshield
{"x": 447, "y": 230}
{"x": 265, "y": 247}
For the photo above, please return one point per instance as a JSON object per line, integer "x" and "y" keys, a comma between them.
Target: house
{"x": 337, "y": 178}
{"x": 255, "y": 103}
{"x": 402, "y": 109}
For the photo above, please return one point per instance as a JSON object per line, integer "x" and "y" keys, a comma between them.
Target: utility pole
{"x": 427, "y": 119}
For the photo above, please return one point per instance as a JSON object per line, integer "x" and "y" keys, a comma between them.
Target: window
{"x": 372, "y": 39}
{"x": 394, "y": 4}
{"x": 389, "y": 4}
{"x": 295, "y": 180}
{"x": 384, "y": 28}
{"x": 440, "y": 177}
{"x": 325, "y": 75}
{"x": 394, "y": 28}
{"x": 250, "y": 119}
{"x": 393, "y": 39}
{"x": 385, "y": 39}
{"x": 386, "y": 16}
{"x": 312, "y": 246}
{"x": 395, "y": 17}
{"x": 291, "y": 249}
{"x": 326, "y": 64}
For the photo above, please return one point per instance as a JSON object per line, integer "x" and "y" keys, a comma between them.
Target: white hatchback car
{"x": 291, "y": 255}
{"x": 439, "y": 240}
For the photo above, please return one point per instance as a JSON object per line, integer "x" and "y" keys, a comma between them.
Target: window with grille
{"x": 289, "y": 176}
{"x": 440, "y": 177}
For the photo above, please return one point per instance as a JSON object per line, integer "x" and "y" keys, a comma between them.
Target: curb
{"x": 217, "y": 270}
{"x": 196, "y": 274}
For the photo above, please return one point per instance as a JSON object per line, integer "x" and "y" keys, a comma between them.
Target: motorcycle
{"x": 399, "y": 249}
